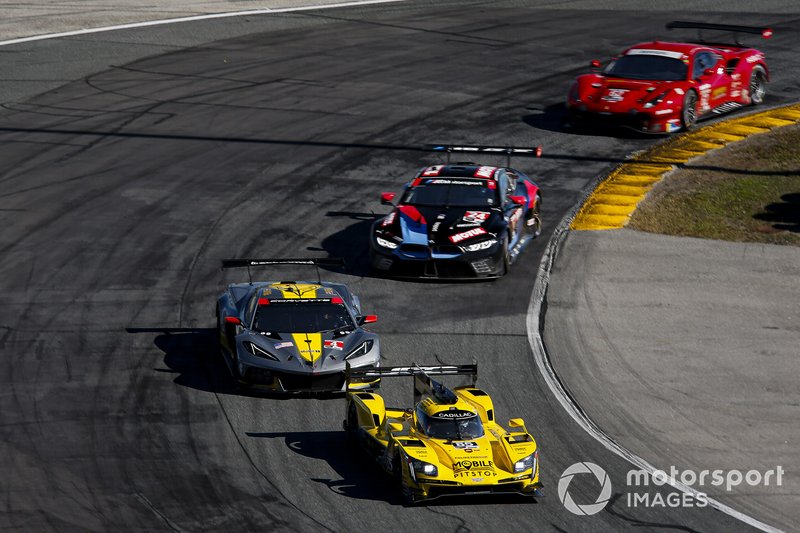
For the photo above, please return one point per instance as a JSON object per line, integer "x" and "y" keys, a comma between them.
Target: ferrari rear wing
{"x": 311, "y": 261}
{"x": 766, "y": 33}
{"x": 508, "y": 151}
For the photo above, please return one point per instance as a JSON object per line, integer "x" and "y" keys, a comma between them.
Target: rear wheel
{"x": 758, "y": 85}
{"x": 506, "y": 258}
{"x": 351, "y": 423}
{"x": 689, "y": 110}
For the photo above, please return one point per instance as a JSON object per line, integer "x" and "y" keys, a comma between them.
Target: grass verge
{"x": 748, "y": 191}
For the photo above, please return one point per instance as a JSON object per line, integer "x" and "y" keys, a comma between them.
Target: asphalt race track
{"x": 121, "y": 191}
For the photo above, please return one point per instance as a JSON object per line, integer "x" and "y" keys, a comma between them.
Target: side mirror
{"x": 395, "y": 427}
{"x": 387, "y": 198}
{"x": 232, "y": 320}
{"x": 368, "y": 319}
{"x": 519, "y": 200}
{"x": 517, "y": 424}
{"x": 708, "y": 72}
{"x": 595, "y": 64}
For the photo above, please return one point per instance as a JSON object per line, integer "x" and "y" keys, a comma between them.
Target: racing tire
{"x": 758, "y": 85}
{"x": 506, "y": 258}
{"x": 409, "y": 498}
{"x": 535, "y": 214}
{"x": 689, "y": 110}
{"x": 351, "y": 422}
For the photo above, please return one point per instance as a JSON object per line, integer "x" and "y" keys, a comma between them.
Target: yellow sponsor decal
{"x": 309, "y": 345}
{"x": 297, "y": 290}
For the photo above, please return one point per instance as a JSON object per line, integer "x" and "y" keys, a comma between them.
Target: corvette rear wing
{"x": 311, "y": 261}
{"x": 766, "y": 33}
{"x": 508, "y": 151}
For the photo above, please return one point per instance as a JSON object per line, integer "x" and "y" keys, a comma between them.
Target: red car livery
{"x": 663, "y": 87}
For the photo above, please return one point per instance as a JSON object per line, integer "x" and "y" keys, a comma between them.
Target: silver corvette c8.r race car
{"x": 294, "y": 336}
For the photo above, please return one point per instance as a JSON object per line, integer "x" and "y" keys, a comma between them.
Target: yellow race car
{"x": 449, "y": 443}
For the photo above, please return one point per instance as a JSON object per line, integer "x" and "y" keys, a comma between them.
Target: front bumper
{"x": 269, "y": 380}
{"x": 264, "y": 374}
{"x": 434, "y": 263}
{"x": 433, "y": 489}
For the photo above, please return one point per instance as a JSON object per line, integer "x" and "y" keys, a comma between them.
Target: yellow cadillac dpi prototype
{"x": 449, "y": 443}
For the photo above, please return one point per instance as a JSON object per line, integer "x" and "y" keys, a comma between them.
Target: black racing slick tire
{"x": 689, "y": 110}
{"x": 506, "y": 258}
{"x": 758, "y": 85}
{"x": 351, "y": 422}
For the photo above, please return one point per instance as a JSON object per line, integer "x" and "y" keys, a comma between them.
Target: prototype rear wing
{"x": 766, "y": 33}
{"x": 311, "y": 261}
{"x": 422, "y": 375}
{"x": 508, "y": 151}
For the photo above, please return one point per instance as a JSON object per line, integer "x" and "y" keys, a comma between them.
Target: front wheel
{"x": 689, "y": 110}
{"x": 535, "y": 217}
{"x": 758, "y": 86}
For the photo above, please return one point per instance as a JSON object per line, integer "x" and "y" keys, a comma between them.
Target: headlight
{"x": 657, "y": 100}
{"x": 363, "y": 349}
{"x": 386, "y": 244}
{"x": 525, "y": 464}
{"x": 259, "y": 351}
{"x": 421, "y": 467}
{"x": 480, "y": 245}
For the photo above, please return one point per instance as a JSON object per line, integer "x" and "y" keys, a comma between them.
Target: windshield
{"x": 301, "y": 317}
{"x": 647, "y": 67}
{"x": 466, "y": 426}
{"x": 452, "y": 192}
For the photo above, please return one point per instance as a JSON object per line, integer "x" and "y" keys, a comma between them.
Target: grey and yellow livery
{"x": 294, "y": 336}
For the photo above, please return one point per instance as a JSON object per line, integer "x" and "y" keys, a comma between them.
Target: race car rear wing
{"x": 508, "y": 151}
{"x": 312, "y": 261}
{"x": 766, "y": 33}
{"x": 423, "y": 384}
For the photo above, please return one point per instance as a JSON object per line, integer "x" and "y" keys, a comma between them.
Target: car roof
{"x": 459, "y": 170}
{"x": 293, "y": 290}
{"x": 432, "y": 407}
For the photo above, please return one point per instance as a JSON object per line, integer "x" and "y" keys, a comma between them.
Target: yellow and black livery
{"x": 448, "y": 443}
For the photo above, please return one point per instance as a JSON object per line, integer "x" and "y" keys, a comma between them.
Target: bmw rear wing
{"x": 507, "y": 151}
{"x": 766, "y": 33}
{"x": 311, "y": 261}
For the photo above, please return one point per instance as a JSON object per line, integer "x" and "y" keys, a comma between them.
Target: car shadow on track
{"x": 554, "y": 118}
{"x": 193, "y": 354}
{"x": 360, "y": 476}
{"x": 351, "y": 243}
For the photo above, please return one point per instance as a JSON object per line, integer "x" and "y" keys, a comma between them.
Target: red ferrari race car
{"x": 664, "y": 87}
